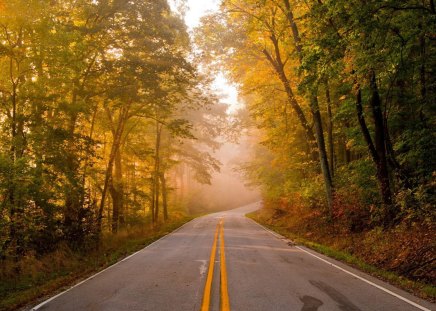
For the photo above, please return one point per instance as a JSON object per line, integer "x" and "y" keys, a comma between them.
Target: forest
{"x": 107, "y": 114}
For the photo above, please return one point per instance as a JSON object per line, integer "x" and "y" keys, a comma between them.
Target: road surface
{"x": 263, "y": 273}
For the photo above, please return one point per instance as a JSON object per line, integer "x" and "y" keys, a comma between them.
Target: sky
{"x": 198, "y": 8}
{"x": 227, "y": 91}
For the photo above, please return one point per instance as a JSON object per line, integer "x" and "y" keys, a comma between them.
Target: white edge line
{"x": 348, "y": 272}
{"x": 111, "y": 266}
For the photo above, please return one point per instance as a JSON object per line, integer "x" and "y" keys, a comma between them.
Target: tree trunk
{"x": 280, "y": 69}
{"x": 114, "y": 149}
{"x": 152, "y": 198}
{"x": 14, "y": 210}
{"x": 164, "y": 195}
{"x": 330, "y": 131}
{"x": 86, "y": 164}
{"x": 116, "y": 190}
{"x": 377, "y": 150}
{"x": 16, "y": 205}
{"x": 73, "y": 188}
{"x": 422, "y": 76}
{"x": 157, "y": 171}
{"x": 363, "y": 126}
{"x": 322, "y": 153}
{"x": 182, "y": 182}
{"x": 380, "y": 146}
{"x": 278, "y": 65}
{"x": 347, "y": 154}
{"x": 294, "y": 28}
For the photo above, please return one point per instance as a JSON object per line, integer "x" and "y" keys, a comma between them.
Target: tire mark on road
{"x": 343, "y": 302}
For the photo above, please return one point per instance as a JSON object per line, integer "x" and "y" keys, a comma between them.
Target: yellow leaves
{"x": 79, "y": 23}
{"x": 349, "y": 62}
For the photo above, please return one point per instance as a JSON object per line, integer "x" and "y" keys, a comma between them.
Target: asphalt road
{"x": 263, "y": 273}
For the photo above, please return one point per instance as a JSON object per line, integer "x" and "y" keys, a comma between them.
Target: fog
{"x": 228, "y": 188}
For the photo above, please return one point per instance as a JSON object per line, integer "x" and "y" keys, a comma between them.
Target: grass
{"x": 425, "y": 291}
{"x": 43, "y": 277}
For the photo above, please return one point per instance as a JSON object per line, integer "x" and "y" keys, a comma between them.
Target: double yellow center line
{"x": 225, "y": 304}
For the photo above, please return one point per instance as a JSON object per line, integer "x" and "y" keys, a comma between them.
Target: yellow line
{"x": 225, "y": 304}
{"x": 208, "y": 287}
